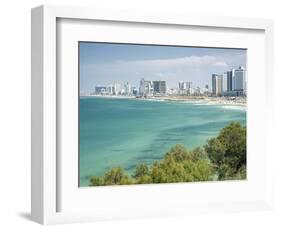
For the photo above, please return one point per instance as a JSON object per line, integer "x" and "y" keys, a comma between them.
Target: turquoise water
{"x": 125, "y": 132}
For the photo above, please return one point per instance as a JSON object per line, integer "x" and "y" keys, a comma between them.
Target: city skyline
{"x": 231, "y": 83}
{"x": 107, "y": 63}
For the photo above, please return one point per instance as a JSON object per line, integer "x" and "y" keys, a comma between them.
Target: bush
{"x": 198, "y": 154}
{"x": 96, "y": 181}
{"x": 228, "y": 151}
{"x": 141, "y": 171}
{"x": 144, "y": 180}
{"x": 168, "y": 171}
{"x": 233, "y": 137}
{"x": 178, "y": 153}
{"x": 181, "y": 165}
{"x": 116, "y": 176}
{"x": 216, "y": 151}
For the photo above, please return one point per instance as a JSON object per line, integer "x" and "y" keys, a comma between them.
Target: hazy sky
{"x": 108, "y": 63}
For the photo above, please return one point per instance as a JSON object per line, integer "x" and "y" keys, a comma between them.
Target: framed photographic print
{"x": 162, "y": 128}
{"x": 139, "y": 114}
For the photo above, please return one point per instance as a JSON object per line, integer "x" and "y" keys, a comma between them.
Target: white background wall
{"x": 15, "y": 112}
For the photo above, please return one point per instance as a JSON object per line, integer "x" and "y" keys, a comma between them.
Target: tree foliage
{"x": 115, "y": 176}
{"x": 228, "y": 152}
{"x": 141, "y": 171}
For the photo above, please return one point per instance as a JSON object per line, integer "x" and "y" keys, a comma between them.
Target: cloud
{"x": 195, "y": 68}
{"x": 156, "y": 66}
{"x": 162, "y": 64}
{"x": 221, "y": 64}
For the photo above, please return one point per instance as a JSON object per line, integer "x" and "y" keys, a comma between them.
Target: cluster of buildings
{"x": 152, "y": 88}
{"x": 116, "y": 89}
{"x": 145, "y": 89}
{"x": 231, "y": 83}
{"x": 185, "y": 88}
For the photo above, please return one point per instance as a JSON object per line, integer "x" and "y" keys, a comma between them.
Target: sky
{"x": 109, "y": 63}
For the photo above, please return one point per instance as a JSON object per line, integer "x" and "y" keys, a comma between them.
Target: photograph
{"x": 153, "y": 113}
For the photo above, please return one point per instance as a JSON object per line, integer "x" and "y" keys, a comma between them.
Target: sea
{"x": 125, "y": 132}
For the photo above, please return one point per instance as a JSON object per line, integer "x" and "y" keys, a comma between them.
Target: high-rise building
{"x": 100, "y": 89}
{"x": 142, "y": 87}
{"x": 224, "y": 83}
{"x": 146, "y": 88}
{"x": 182, "y": 85}
{"x": 188, "y": 85}
{"x": 135, "y": 91}
{"x": 189, "y": 88}
{"x": 217, "y": 84}
{"x": 185, "y": 87}
{"x": 240, "y": 77}
{"x": 231, "y": 83}
{"x": 117, "y": 89}
{"x": 159, "y": 87}
{"x": 127, "y": 89}
{"x": 110, "y": 90}
{"x": 230, "y": 78}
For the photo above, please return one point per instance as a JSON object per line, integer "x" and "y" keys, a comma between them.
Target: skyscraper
{"x": 182, "y": 85}
{"x": 217, "y": 84}
{"x": 128, "y": 89}
{"x": 230, "y": 77}
{"x": 117, "y": 89}
{"x": 110, "y": 89}
{"x": 159, "y": 87}
{"x": 185, "y": 87}
{"x": 188, "y": 85}
{"x": 224, "y": 83}
{"x": 99, "y": 89}
{"x": 240, "y": 81}
{"x": 146, "y": 88}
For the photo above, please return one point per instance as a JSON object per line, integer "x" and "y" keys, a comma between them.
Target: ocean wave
{"x": 154, "y": 99}
{"x": 234, "y": 107}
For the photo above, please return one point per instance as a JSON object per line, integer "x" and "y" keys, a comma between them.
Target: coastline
{"x": 232, "y": 101}
{"x": 210, "y": 100}
{"x": 110, "y": 96}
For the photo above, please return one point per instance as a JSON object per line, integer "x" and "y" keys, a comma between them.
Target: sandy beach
{"x": 239, "y": 101}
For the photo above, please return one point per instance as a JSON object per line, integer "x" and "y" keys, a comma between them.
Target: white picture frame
{"x": 46, "y": 174}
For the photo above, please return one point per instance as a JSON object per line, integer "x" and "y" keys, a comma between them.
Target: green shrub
{"x": 141, "y": 170}
{"x": 96, "y": 181}
{"x": 228, "y": 151}
{"x": 116, "y": 176}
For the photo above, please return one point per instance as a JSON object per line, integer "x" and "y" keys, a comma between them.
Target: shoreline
{"x": 231, "y": 101}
